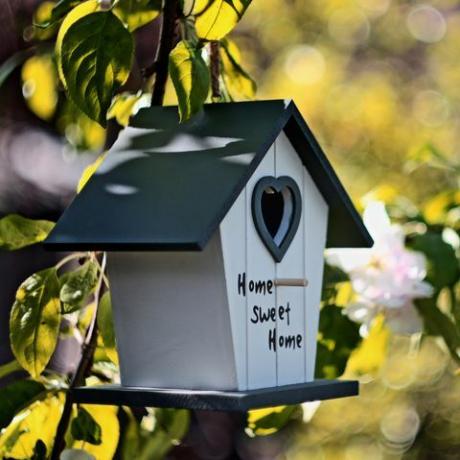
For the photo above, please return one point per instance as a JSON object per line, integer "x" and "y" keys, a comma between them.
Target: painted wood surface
{"x": 233, "y": 234}
{"x": 290, "y": 359}
{"x": 261, "y": 360}
{"x": 282, "y": 349}
{"x": 315, "y": 222}
{"x": 172, "y": 320}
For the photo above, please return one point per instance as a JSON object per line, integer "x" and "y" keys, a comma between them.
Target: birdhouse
{"x": 215, "y": 231}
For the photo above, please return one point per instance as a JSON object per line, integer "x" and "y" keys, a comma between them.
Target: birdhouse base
{"x": 216, "y": 400}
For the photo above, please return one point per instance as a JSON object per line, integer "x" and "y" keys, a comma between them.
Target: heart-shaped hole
{"x": 276, "y": 209}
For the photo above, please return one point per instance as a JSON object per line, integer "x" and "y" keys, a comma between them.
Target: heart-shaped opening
{"x": 276, "y": 210}
{"x": 277, "y": 207}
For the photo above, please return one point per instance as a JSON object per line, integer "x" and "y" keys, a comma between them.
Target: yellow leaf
{"x": 216, "y": 18}
{"x": 137, "y": 13}
{"x": 39, "y": 85}
{"x": 123, "y": 107}
{"x": 37, "y": 421}
{"x": 435, "y": 210}
{"x": 106, "y": 417}
{"x": 385, "y": 193}
{"x": 370, "y": 355}
{"x": 89, "y": 171}
{"x": 237, "y": 81}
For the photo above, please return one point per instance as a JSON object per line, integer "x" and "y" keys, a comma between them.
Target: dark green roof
{"x": 167, "y": 186}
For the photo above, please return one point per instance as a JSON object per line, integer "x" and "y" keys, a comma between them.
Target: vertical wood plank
{"x": 260, "y": 267}
{"x": 290, "y": 359}
{"x": 315, "y": 221}
{"x": 233, "y": 235}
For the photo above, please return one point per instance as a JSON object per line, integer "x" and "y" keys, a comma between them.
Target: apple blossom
{"x": 387, "y": 277}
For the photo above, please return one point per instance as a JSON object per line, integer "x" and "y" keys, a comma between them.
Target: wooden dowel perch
{"x": 300, "y": 282}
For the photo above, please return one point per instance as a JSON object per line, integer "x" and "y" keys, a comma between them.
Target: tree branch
{"x": 166, "y": 44}
{"x": 215, "y": 70}
{"x": 82, "y": 371}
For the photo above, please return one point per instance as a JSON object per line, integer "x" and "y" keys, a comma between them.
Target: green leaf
{"x": 17, "y": 396}
{"x": 34, "y": 321}
{"x": 17, "y": 232}
{"x": 263, "y": 422}
{"x": 85, "y": 428}
{"x": 443, "y": 266}
{"x": 9, "y": 368}
{"x": 94, "y": 56}
{"x": 215, "y": 19}
{"x": 77, "y": 286}
{"x": 39, "y": 451}
{"x": 190, "y": 77}
{"x": 137, "y": 13}
{"x": 174, "y": 421}
{"x": 338, "y": 337}
{"x": 437, "y": 323}
{"x": 238, "y": 82}
{"x": 106, "y": 327}
{"x": 62, "y": 8}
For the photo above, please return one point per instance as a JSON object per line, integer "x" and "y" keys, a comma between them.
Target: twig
{"x": 215, "y": 70}
{"x": 84, "y": 366}
{"x": 166, "y": 44}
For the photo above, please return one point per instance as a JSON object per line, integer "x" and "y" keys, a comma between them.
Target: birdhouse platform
{"x": 316, "y": 390}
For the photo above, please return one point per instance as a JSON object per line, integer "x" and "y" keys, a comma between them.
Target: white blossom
{"x": 387, "y": 277}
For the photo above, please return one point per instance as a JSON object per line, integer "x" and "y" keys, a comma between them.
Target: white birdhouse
{"x": 215, "y": 231}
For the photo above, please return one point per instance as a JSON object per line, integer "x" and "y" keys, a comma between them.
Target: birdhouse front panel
{"x": 274, "y": 298}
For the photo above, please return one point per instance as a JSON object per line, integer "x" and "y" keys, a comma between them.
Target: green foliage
{"x": 15, "y": 397}
{"x": 34, "y": 321}
{"x": 332, "y": 277}
{"x": 77, "y": 286}
{"x": 216, "y": 18}
{"x": 438, "y": 323}
{"x": 170, "y": 426}
{"x": 94, "y": 56}
{"x": 106, "y": 327}
{"x": 174, "y": 422}
{"x": 443, "y": 267}
{"x": 85, "y": 428}
{"x": 190, "y": 77}
{"x": 61, "y": 9}
{"x": 137, "y": 13}
{"x": 17, "y": 232}
{"x": 9, "y": 368}
{"x": 338, "y": 337}
{"x": 263, "y": 422}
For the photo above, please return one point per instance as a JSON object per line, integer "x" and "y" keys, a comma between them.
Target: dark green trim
{"x": 239, "y": 401}
{"x": 182, "y": 193}
{"x": 277, "y": 184}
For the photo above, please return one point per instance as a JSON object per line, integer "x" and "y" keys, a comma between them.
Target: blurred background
{"x": 379, "y": 83}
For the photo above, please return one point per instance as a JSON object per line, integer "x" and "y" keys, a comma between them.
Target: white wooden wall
{"x": 257, "y": 365}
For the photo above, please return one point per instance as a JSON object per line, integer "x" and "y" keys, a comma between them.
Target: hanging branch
{"x": 166, "y": 44}
{"x": 82, "y": 371}
{"x": 215, "y": 70}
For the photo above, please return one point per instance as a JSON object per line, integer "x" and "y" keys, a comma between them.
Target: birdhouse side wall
{"x": 280, "y": 348}
{"x": 172, "y": 320}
